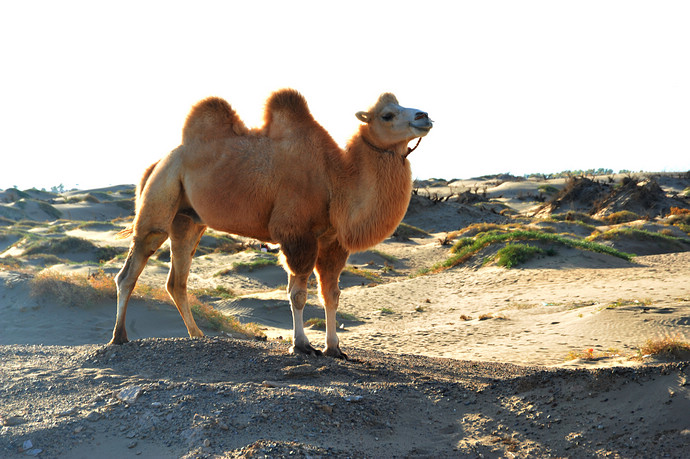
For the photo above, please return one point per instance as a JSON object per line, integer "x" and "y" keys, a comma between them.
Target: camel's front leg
{"x": 329, "y": 264}
{"x": 297, "y": 292}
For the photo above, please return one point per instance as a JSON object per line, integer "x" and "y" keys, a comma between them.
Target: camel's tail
{"x": 125, "y": 233}
{"x": 212, "y": 118}
{"x": 129, "y": 230}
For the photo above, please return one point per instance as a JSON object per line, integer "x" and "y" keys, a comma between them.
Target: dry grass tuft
{"x": 212, "y": 318}
{"x": 316, "y": 323}
{"x": 623, "y": 302}
{"x": 74, "y": 290}
{"x": 591, "y": 354}
{"x": 679, "y": 210}
{"x": 622, "y": 216}
{"x": 492, "y": 316}
{"x": 84, "y": 291}
{"x": 667, "y": 347}
{"x": 11, "y": 263}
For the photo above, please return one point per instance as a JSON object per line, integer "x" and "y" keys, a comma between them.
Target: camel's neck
{"x": 372, "y": 196}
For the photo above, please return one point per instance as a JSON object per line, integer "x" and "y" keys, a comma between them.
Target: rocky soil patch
{"x": 219, "y": 397}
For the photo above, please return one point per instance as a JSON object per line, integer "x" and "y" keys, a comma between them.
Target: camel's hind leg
{"x": 184, "y": 239}
{"x": 329, "y": 264}
{"x": 141, "y": 249}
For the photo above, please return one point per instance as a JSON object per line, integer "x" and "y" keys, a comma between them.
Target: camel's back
{"x": 242, "y": 183}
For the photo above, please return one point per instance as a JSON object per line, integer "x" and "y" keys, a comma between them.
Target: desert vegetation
{"x": 465, "y": 248}
{"x": 84, "y": 291}
{"x": 671, "y": 347}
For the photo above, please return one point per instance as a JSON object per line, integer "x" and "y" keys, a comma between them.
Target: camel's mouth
{"x": 424, "y": 130}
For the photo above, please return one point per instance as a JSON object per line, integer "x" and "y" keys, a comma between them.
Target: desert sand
{"x": 543, "y": 359}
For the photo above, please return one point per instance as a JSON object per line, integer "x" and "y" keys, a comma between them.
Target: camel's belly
{"x": 236, "y": 216}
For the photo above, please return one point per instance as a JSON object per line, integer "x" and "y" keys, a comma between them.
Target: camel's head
{"x": 391, "y": 123}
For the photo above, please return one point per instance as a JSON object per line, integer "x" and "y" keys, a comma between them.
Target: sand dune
{"x": 565, "y": 302}
{"x": 543, "y": 309}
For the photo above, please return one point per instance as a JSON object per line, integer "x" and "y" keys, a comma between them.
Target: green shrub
{"x": 548, "y": 189}
{"x": 219, "y": 292}
{"x": 514, "y": 254}
{"x": 497, "y": 236}
{"x": 640, "y": 235}
{"x": 461, "y": 243}
{"x": 254, "y": 264}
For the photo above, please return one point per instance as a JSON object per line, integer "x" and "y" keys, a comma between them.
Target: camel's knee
{"x": 298, "y": 298}
{"x": 329, "y": 290}
{"x": 140, "y": 250}
{"x": 330, "y": 296}
{"x": 172, "y": 283}
{"x": 125, "y": 279}
{"x": 176, "y": 289}
{"x": 123, "y": 274}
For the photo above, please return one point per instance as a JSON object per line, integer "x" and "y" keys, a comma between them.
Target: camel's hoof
{"x": 118, "y": 339}
{"x": 335, "y": 353}
{"x": 307, "y": 349}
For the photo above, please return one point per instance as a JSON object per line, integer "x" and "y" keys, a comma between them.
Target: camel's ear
{"x": 363, "y": 117}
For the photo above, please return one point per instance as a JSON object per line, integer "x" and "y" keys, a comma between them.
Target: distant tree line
{"x": 577, "y": 173}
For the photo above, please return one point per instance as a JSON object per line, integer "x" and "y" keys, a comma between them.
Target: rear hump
{"x": 211, "y": 119}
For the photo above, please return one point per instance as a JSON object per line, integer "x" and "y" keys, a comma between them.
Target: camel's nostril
{"x": 421, "y": 115}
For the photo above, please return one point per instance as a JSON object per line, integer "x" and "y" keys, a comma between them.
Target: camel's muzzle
{"x": 422, "y": 122}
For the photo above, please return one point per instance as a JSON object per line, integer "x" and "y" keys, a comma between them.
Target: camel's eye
{"x": 387, "y": 116}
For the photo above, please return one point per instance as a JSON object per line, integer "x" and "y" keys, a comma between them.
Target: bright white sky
{"x": 92, "y": 92}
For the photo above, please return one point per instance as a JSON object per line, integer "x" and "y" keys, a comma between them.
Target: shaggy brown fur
{"x": 212, "y": 119}
{"x": 287, "y": 183}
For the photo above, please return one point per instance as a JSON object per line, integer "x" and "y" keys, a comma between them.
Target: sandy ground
{"x": 472, "y": 361}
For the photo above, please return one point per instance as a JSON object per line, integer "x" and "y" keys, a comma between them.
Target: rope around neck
{"x": 410, "y": 150}
{"x": 383, "y": 150}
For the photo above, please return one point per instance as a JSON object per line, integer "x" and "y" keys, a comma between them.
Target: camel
{"x": 287, "y": 182}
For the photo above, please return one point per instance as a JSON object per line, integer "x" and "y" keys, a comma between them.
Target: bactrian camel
{"x": 288, "y": 183}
